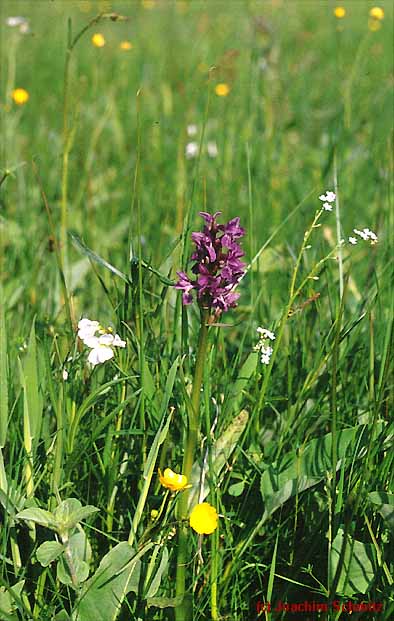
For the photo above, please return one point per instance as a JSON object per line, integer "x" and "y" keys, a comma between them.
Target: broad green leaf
{"x": 70, "y": 512}
{"x": 63, "y": 572}
{"x": 3, "y": 374}
{"x": 48, "y": 552}
{"x": 358, "y": 564}
{"x": 385, "y": 504}
{"x": 38, "y": 516}
{"x": 302, "y": 469}
{"x": 234, "y": 396}
{"x": 221, "y": 452}
{"x": 8, "y": 601}
{"x": 236, "y": 489}
{"x": 155, "y": 584}
{"x": 117, "y": 575}
{"x": 62, "y": 616}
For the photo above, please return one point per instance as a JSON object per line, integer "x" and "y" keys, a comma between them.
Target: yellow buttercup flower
{"x": 339, "y": 12}
{"x": 171, "y": 480}
{"x": 204, "y": 518}
{"x": 125, "y": 45}
{"x": 20, "y": 96}
{"x": 376, "y": 13}
{"x": 98, "y": 39}
{"x": 222, "y": 89}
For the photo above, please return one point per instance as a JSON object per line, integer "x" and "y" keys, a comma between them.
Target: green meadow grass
{"x": 97, "y": 205}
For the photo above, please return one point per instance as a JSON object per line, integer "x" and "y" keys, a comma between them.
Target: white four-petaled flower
{"x": 101, "y": 346}
{"x": 328, "y": 197}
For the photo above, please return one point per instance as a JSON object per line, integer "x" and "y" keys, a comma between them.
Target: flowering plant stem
{"x": 184, "y": 611}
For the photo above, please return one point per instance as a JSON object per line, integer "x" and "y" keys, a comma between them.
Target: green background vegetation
{"x": 308, "y": 91}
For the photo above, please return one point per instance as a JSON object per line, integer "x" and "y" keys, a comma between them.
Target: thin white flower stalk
{"x": 263, "y": 344}
{"x": 100, "y": 340}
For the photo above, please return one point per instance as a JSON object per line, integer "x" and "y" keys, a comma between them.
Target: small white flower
{"x": 87, "y": 328}
{"x": 100, "y": 354}
{"x": 265, "y": 359}
{"x": 65, "y": 375}
{"x": 352, "y": 240}
{"x": 118, "y": 341}
{"x": 101, "y": 345}
{"x": 191, "y": 150}
{"x": 371, "y": 234}
{"x": 267, "y": 334}
{"x": 17, "y": 20}
{"x": 191, "y": 130}
{"x": 327, "y": 206}
{"x": 361, "y": 234}
{"x": 328, "y": 196}
{"x": 212, "y": 149}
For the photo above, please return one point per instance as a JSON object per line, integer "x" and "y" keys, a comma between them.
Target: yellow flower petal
{"x": 98, "y": 39}
{"x": 172, "y": 481}
{"x": 125, "y": 45}
{"x": 204, "y": 518}
{"x": 376, "y": 13}
{"x": 20, "y": 96}
{"x": 222, "y": 89}
{"x": 339, "y": 12}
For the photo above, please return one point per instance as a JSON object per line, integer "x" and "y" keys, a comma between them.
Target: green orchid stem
{"x": 184, "y": 611}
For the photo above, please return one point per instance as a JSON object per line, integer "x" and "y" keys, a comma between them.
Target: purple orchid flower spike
{"x": 217, "y": 265}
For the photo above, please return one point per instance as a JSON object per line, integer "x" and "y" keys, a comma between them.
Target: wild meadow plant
{"x": 196, "y": 434}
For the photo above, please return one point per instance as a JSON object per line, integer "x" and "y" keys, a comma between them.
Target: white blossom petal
{"x": 100, "y": 354}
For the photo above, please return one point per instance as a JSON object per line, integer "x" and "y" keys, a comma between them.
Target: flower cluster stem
{"x": 184, "y": 611}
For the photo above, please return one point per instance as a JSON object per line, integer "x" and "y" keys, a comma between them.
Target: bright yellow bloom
{"x": 376, "y": 13}
{"x": 374, "y": 25}
{"x": 204, "y": 519}
{"x": 222, "y": 89}
{"x": 339, "y": 12}
{"x": 125, "y": 45}
{"x": 20, "y": 96}
{"x": 98, "y": 39}
{"x": 172, "y": 481}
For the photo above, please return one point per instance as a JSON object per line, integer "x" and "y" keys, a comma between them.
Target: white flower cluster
{"x": 100, "y": 340}
{"x": 262, "y": 346}
{"x": 18, "y": 22}
{"x": 328, "y": 198}
{"x": 366, "y": 235}
{"x": 192, "y": 148}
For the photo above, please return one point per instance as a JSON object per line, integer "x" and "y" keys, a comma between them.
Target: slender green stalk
{"x": 184, "y": 612}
